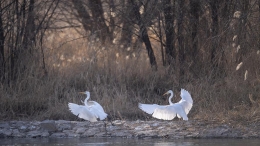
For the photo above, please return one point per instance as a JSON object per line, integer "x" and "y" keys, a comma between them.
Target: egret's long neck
{"x": 87, "y": 98}
{"x": 170, "y": 98}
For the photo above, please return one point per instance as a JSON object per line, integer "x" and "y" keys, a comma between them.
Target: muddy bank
{"x": 126, "y": 129}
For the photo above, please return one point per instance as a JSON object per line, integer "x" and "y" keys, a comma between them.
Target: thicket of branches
{"x": 209, "y": 39}
{"x": 22, "y": 27}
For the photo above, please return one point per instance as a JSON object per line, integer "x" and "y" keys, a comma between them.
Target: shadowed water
{"x": 128, "y": 142}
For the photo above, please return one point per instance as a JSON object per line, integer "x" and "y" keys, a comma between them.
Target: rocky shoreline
{"x": 126, "y": 129}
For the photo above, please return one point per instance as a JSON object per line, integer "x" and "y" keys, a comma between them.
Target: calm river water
{"x": 128, "y": 142}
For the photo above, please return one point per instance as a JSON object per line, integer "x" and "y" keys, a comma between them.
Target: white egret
{"x": 91, "y": 110}
{"x": 169, "y": 112}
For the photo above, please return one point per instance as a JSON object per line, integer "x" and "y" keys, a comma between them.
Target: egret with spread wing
{"x": 169, "y": 112}
{"x": 91, "y": 110}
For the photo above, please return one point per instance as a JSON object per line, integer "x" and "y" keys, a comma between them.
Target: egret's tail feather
{"x": 102, "y": 116}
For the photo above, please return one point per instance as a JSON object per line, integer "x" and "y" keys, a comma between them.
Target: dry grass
{"x": 120, "y": 84}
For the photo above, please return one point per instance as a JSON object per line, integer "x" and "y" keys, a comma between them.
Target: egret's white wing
{"x": 186, "y": 101}
{"x": 87, "y": 115}
{"x": 185, "y": 95}
{"x": 97, "y": 110}
{"x": 148, "y": 108}
{"x": 82, "y": 112}
{"x": 186, "y": 106}
{"x": 164, "y": 112}
{"x": 169, "y": 112}
{"x": 75, "y": 109}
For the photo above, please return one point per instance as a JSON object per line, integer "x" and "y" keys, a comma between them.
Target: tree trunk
{"x": 160, "y": 35}
{"x": 194, "y": 21}
{"x": 29, "y": 36}
{"x": 83, "y": 14}
{"x": 112, "y": 25}
{"x": 144, "y": 36}
{"x": 2, "y": 55}
{"x": 169, "y": 32}
{"x": 99, "y": 25}
{"x": 259, "y": 25}
{"x": 127, "y": 28}
{"x": 241, "y": 34}
{"x": 215, "y": 28}
{"x": 180, "y": 38}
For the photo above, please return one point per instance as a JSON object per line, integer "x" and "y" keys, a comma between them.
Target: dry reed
{"x": 119, "y": 84}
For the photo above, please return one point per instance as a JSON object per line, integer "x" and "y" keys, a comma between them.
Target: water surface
{"x": 127, "y": 142}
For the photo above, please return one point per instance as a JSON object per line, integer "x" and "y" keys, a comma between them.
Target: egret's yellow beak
{"x": 82, "y": 92}
{"x": 165, "y": 93}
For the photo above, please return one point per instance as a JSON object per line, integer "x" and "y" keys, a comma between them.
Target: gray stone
{"x": 17, "y": 133}
{"x": 23, "y": 128}
{"x": 217, "y": 132}
{"x": 71, "y": 133}
{"x": 58, "y": 135}
{"x": 112, "y": 128}
{"x": 4, "y": 125}
{"x": 32, "y": 128}
{"x": 155, "y": 124}
{"x": 101, "y": 134}
{"x": 48, "y": 125}
{"x": 62, "y": 122}
{"x": 5, "y": 133}
{"x": 66, "y": 126}
{"x": 34, "y": 134}
{"x": 90, "y": 132}
{"x": 81, "y": 130}
{"x": 126, "y": 134}
{"x": 128, "y": 129}
{"x": 118, "y": 122}
{"x": 147, "y": 133}
{"x": 45, "y": 134}
{"x": 80, "y": 124}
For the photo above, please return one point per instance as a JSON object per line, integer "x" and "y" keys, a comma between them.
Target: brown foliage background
{"x": 52, "y": 49}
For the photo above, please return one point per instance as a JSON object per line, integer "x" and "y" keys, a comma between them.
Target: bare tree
{"x": 21, "y": 24}
{"x": 2, "y": 39}
{"x": 243, "y": 8}
{"x": 180, "y": 37}
{"x": 214, "y": 5}
{"x": 169, "y": 31}
{"x": 83, "y": 14}
{"x": 144, "y": 35}
{"x": 99, "y": 26}
{"x": 127, "y": 25}
{"x": 29, "y": 36}
{"x": 194, "y": 21}
{"x": 94, "y": 22}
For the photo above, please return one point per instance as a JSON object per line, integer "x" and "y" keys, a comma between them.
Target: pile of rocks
{"x": 126, "y": 129}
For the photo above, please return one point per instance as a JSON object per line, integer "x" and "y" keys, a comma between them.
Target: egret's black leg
{"x": 105, "y": 125}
